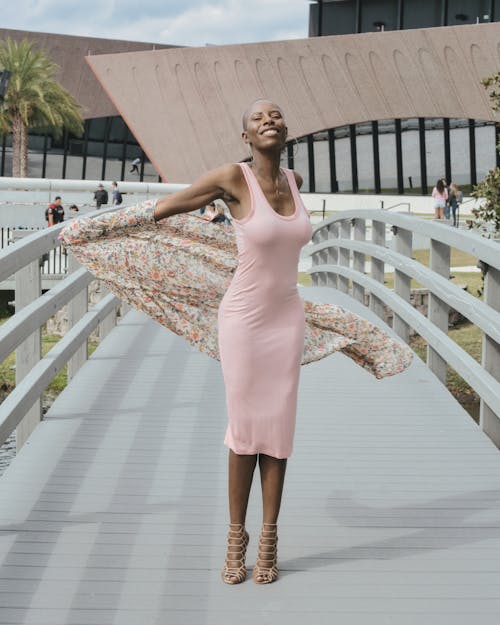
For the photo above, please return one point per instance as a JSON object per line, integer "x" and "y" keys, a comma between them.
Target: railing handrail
{"x": 22, "y": 407}
{"x": 334, "y": 249}
{"x": 474, "y": 309}
{"x": 19, "y": 254}
{"x": 465, "y": 365}
{"x": 60, "y": 185}
{"x": 466, "y": 240}
{"x": 30, "y": 388}
{"x": 14, "y": 331}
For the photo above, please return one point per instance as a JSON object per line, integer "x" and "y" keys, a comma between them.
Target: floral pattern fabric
{"x": 178, "y": 269}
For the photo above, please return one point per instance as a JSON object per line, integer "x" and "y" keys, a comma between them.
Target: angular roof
{"x": 184, "y": 105}
{"x": 69, "y": 53}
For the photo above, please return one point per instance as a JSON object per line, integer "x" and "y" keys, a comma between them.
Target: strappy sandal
{"x": 265, "y": 570}
{"x": 234, "y": 571}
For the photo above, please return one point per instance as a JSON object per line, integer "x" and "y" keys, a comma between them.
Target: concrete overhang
{"x": 184, "y": 105}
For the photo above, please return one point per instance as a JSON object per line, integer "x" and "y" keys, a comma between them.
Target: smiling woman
{"x": 245, "y": 310}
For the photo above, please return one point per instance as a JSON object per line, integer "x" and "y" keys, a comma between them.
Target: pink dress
{"x": 261, "y": 326}
{"x": 189, "y": 275}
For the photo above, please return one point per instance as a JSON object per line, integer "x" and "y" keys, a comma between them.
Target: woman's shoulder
{"x": 298, "y": 178}
{"x": 228, "y": 172}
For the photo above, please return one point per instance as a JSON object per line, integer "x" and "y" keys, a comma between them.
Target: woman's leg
{"x": 272, "y": 477}
{"x": 241, "y": 470}
{"x": 436, "y": 212}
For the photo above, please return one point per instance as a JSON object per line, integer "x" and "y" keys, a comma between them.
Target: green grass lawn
{"x": 304, "y": 279}
{"x": 457, "y": 258}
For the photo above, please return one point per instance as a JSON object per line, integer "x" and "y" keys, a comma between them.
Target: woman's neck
{"x": 266, "y": 166}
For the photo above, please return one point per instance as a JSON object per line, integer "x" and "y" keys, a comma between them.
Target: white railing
{"x": 339, "y": 254}
{"x": 22, "y": 332}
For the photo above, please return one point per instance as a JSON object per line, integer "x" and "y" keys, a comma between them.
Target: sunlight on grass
{"x": 304, "y": 279}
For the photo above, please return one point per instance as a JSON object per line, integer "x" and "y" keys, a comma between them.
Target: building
{"x": 107, "y": 146}
{"x": 345, "y": 17}
{"x": 382, "y": 112}
{"x": 457, "y": 148}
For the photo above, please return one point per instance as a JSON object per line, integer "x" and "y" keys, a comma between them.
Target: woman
{"x": 261, "y": 324}
{"x": 454, "y": 199}
{"x": 182, "y": 271}
{"x": 440, "y": 195}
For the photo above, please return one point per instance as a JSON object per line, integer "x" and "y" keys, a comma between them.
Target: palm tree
{"x": 34, "y": 99}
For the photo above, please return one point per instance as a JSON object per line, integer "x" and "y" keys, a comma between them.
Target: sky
{"x": 178, "y": 22}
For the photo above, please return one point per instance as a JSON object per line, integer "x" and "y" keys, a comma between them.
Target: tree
{"x": 34, "y": 99}
{"x": 489, "y": 188}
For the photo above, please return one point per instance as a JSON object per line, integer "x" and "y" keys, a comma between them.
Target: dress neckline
{"x": 286, "y": 217}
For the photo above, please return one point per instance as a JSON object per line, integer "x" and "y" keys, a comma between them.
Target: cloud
{"x": 194, "y": 23}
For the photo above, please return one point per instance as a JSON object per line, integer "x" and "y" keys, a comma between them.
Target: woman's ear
{"x": 244, "y": 136}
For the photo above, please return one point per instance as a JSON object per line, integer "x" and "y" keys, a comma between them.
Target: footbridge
{"x": 114, "y": 510}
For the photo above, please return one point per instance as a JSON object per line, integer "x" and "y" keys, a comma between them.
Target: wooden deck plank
{"x": 115, "y": 511}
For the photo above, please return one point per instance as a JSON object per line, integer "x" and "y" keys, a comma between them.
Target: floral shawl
{"x": 178, "y": 269}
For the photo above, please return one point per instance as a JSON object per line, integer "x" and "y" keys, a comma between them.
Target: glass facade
{"x": 395, "y": 156}
{"x": 400, "y": 156}
{"x": 104, "y": 152}
{"x": 362, "y": 16}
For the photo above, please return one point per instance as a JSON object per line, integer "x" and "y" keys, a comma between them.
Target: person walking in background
{"x": 440, "y": 195}
{"x": 447, "y": 207}
{"x": 220, "y": 216}
{"x": 116, "y": 195}
{"x": 100, "y": 196}
{"x": 210, "y": 211}
{"x": 135, "y": 165}
{"x": 455, "y": 198}
{"x": 54, "y": 214}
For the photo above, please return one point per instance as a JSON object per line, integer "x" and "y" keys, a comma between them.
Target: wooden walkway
{"x": 114, "y": 513}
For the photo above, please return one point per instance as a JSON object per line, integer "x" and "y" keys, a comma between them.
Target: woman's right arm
{"x": 209, "y": 187}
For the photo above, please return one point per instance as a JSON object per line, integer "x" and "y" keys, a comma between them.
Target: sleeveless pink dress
{"x": 261, "y": 326}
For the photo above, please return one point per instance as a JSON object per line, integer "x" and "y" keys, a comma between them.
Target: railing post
{"x": 344, "y": 255}
{"x": 438, "y": 312}
{"x": 402, "y": 282}
{"x": 316, "y": 238}
{"x": 76, "y": 310}
{"x": 28, "y": 354}
{"x": 358, "y": 291}
{"x": 378, "y": 268}
{"x": 488, "y": 420}
{"x": 109, "y": 322}
{"x": 332, "y": 257}
{"x": 320, "y": 258}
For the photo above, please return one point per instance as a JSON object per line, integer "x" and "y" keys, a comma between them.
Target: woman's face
{"x": 264, "y": 126}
